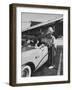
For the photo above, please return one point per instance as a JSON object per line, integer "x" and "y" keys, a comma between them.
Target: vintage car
{"x": 32, "y": 58}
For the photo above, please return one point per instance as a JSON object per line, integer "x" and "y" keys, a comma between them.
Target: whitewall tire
{"x": 26, "y": 71}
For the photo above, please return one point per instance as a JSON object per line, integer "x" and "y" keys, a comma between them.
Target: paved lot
{"x": 57, "y": 61}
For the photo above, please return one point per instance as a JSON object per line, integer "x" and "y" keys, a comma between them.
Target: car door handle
{"x": 36, "y": 57}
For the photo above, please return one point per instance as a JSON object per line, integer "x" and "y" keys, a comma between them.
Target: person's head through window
{"x": 28, "y": 41}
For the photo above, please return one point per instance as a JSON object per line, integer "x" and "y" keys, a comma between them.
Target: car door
{"x": 43, "y": 56}
{"x": 37, "y": 57}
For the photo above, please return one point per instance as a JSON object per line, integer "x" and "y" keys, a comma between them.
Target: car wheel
{"x": 26, "y": 71}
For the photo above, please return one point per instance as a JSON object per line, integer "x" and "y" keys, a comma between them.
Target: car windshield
{"x": 29, "y": 42}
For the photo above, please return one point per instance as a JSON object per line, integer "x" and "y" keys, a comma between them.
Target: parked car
{"x": 32, "y": 58}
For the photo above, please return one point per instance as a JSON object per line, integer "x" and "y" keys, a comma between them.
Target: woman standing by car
{"x": 48, "y": 40}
